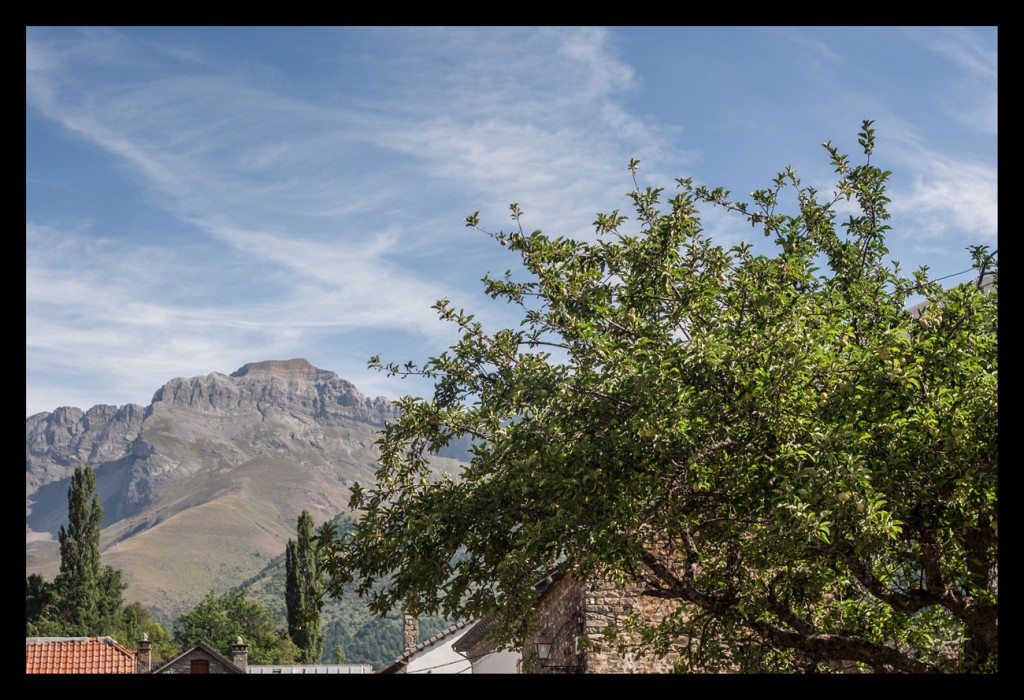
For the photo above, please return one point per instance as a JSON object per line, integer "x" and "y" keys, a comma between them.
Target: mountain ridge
{"x": 202, "y": 487}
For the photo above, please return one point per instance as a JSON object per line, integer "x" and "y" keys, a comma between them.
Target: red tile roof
{"x": 77, "y": 655}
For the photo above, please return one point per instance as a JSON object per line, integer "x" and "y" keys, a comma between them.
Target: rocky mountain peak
{"x": 297, "y": 368}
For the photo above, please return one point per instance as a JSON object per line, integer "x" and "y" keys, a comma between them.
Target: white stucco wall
{"x": 498, "y": 662}
{"x": 440, "y": 658}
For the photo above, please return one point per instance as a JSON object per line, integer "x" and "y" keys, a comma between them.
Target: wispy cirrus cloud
{"x": 523, "y": 124}
{"x": 203, "y": 197}
{"x": 972, "y": 94}
{"x": 303, "y": 217}
{"x": 971, "y": 51}
{"x": 546, "y": 125}
{"x": 950, "y": 196}
{"x": 946, "y": 197}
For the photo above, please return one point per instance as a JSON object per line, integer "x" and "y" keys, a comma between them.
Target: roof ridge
{"x": 433, "y": 640}
{"x": 209, "y": 649}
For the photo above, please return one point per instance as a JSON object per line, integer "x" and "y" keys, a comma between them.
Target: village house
{"x": 200, "y": 658}
{"x": 573, "y": 617}
{"x": 462, "y": 648}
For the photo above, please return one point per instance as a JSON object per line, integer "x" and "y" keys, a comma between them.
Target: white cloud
{"x": 972, "y": 92}
{"x": 952, "y": 197}
{"x": 815, "y": 48}
{"x": 275, "y": 217}
{"x": 943, "y": 194}
{"x": 968, "y": 47}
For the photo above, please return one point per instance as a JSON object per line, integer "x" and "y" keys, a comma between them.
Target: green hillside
{"x": 364, "y": 637}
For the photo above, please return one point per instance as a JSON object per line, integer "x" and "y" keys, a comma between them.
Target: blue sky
{"x": 200, "y": 198}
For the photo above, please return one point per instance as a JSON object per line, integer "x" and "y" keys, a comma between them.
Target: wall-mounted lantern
{"x": 543, "y": 647}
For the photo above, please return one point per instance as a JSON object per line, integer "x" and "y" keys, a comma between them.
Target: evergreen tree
{"x": 303, "y": 589}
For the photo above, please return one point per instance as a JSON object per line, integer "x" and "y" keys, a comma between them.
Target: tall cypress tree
{"x": 292, "y": 591}
{"x": 303, "y": 588}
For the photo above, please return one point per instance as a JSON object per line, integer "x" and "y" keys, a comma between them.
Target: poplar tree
{"x": 78, "y": 583}
{"x": 303, "y": 588}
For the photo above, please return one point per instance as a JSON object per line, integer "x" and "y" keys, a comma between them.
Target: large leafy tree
{"x": 219, "y": 620}
{"x": 40, "y": 608}
{"x": 304, "y": 588}
{"x": 777, "y": 443}
{"x": 135, "y": 620}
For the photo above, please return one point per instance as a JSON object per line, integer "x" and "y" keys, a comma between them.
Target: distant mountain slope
{"x": 202, "y": 488}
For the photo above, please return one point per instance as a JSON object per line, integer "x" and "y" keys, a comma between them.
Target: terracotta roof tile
{"x": 77, "y": 655}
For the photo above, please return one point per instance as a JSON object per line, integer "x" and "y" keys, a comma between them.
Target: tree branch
{"x": 801, "y": 637}
{"x": 909, "y": 602}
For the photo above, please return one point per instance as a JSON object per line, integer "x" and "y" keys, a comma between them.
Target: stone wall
{"x": 561, "y": 608}
{"x": 569, "y": 610}
{"x": 611, "y": 605}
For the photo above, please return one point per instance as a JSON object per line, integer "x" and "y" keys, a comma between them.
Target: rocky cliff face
{"x": 291, "y": 387}
{"x": 288, "y": 393}
{"x": 203, "y": 487}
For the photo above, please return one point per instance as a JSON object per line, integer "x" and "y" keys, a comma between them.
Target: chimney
{"x": 410, "y": 632}
{"x": 143, "y": 659}
{"x": 240, "y": 654}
